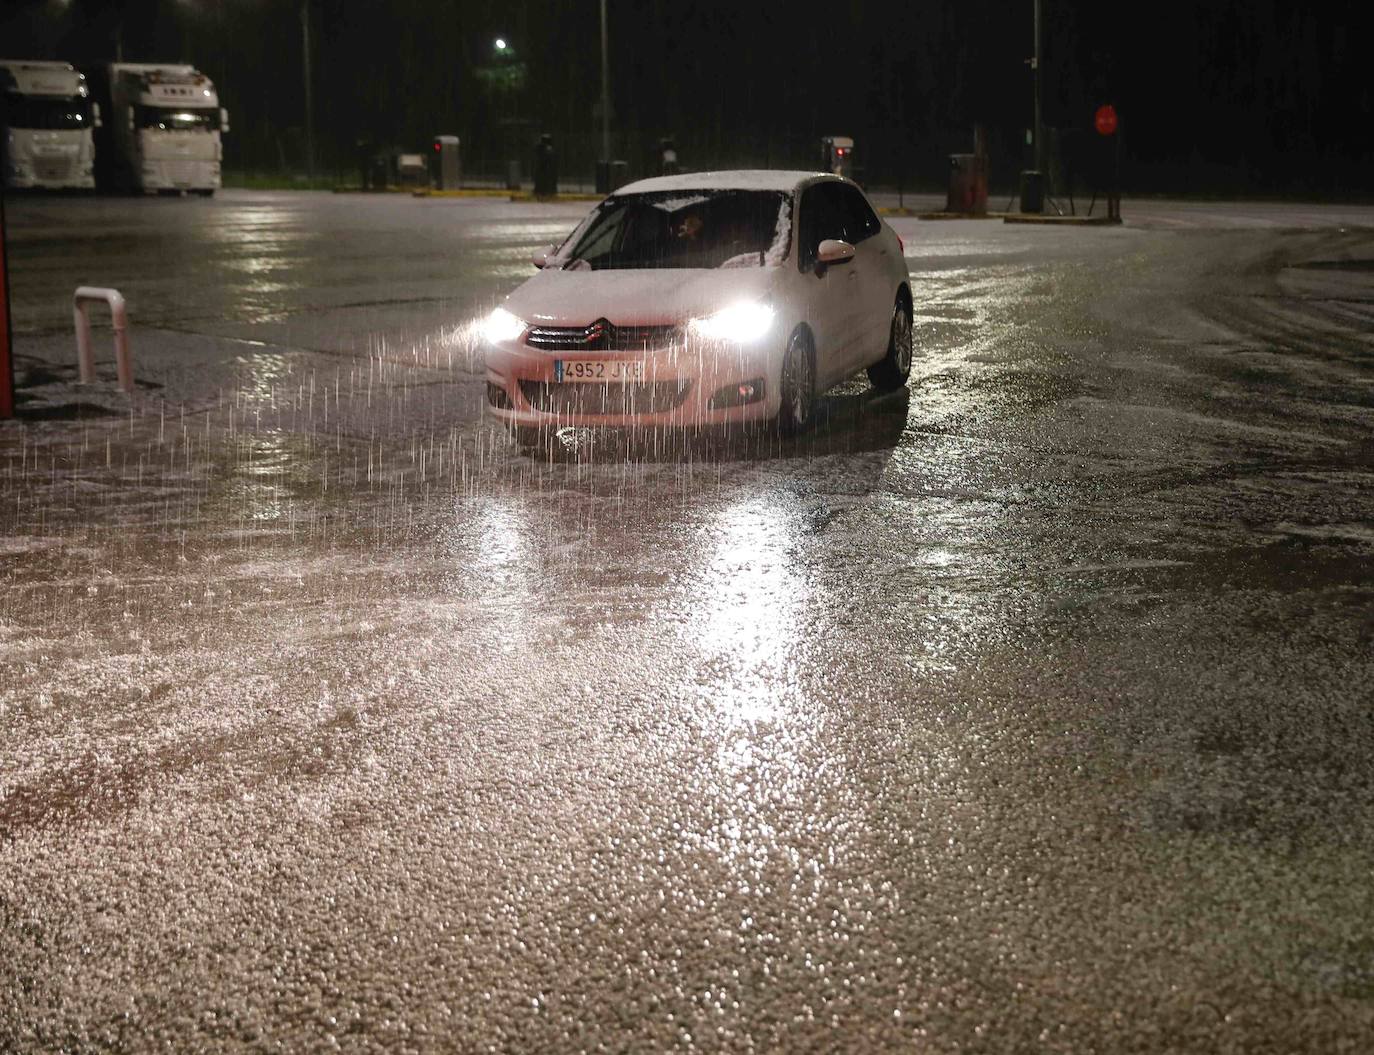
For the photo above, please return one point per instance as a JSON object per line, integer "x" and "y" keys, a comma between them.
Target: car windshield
{"x": 692, "y": 229}
{"x": 45, "y": 114}
{"x": 171, "y": 118}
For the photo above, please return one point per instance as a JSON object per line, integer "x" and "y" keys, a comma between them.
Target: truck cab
{"x": 165, "y": 124}
{"x": 47, "y": 117}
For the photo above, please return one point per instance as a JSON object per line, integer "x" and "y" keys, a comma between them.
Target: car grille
{"x": 650, "y": 397}
{"x": 599, "y": 336}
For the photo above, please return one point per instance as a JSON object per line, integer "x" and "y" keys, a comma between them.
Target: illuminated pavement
{"x": 1027, "y": 713}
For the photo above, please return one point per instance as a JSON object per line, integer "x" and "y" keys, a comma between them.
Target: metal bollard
{"x": 85, "y": 358}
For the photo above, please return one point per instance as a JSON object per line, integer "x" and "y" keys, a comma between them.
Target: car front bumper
{"x": 689, "y": 383}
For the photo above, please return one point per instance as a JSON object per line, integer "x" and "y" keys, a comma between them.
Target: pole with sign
{"x": 1106, "y": 122}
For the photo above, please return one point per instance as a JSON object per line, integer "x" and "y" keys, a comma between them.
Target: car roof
{"x": 733, "y": 179}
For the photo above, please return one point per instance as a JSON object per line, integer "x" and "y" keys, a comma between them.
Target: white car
{"x": 703, "y": 299}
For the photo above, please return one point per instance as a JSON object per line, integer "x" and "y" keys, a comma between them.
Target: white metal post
{"x": 85, "y": 357}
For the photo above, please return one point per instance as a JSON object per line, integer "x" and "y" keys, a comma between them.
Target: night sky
{"x": 1247, "y": 96}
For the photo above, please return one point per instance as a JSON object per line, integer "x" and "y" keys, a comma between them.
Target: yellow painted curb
{"x": 559, "y": 197}
{"x": 960, "y": 215}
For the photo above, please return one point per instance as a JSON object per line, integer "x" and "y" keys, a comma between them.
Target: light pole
{"x": 309, "y": 91}
{"x": 606, "y": 91}
{"x": 1035, "y": 72}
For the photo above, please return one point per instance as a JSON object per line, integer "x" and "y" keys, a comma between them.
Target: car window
{"x": 821, "y": 218}
{"x": 859, "y": 219}
{"x": 686, "y": 229}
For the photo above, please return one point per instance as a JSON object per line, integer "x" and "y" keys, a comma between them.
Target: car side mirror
{"x": 541, "y": 257}
{"x": 223, "y": 119}
{"x": 834, "y": 251}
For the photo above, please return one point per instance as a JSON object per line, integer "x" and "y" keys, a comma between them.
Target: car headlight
{"x": 739, "y": 322}
{"x": 501, "y": 325}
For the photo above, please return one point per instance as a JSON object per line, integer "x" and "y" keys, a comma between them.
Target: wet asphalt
{"x": 1027, "y": 710}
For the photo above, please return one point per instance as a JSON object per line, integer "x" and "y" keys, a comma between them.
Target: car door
{"x": 828, "y": 294}
{"x": 873, "y": 297}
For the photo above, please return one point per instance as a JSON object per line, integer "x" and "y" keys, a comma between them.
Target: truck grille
{"x": 180, "y": 173}
{"x": 54, "y": 169}
{"x": 600, "y": 336}
{"x": 649, "y": 397}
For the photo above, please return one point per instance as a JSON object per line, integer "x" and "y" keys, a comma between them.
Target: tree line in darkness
{"x": 1220, "y": 95}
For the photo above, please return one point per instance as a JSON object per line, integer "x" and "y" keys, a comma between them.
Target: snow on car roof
{"x": 736, "y": 179}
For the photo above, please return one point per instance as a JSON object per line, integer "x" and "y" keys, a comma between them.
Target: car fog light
{"x": 497, "y": 397}
{"x": 501, "y": 325}
{"x": 738, "y": 395}
{"x": 739, "y": 322}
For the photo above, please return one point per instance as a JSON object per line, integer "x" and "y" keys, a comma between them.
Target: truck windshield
{"x": 686, "y": 229}
{"x": 171, "y": 118}
{"x": 44, "y": 113}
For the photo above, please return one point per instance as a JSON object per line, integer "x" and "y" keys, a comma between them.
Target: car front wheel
{"x": 797, "y": 386}
{"x": 893, "y": 369}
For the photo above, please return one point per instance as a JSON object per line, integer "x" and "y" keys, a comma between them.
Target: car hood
{"x": 636, "y": 298}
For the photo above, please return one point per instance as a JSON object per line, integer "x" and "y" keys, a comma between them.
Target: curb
{"x": 1061, "y": 221}
{"x": 573, "y": 196}
{"x": 509, "y": 195}
{"x": 474, "y": 192}
{"x": 960, "y": 215}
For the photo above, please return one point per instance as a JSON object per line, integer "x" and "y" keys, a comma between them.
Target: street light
{"x": 309, "y": 93}
{"x": 500, "y": 43}
{"x": 1039, "y": 124}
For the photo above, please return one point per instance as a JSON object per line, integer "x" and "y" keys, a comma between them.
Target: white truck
{"x": 48, "y": 118}
{"x": 162, "y": 130}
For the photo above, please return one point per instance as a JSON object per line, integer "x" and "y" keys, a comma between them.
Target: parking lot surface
{"x": 1025, "y": 710}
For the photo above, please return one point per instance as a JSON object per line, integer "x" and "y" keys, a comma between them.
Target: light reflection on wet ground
{"x": 969, "y": 721}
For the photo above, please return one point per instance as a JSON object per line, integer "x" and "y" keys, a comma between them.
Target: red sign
{"x": 1105, "y": 120}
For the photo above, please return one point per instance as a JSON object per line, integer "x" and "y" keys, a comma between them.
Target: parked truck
{"x": 162, "y": 129}
{"x": 48, "y": 119}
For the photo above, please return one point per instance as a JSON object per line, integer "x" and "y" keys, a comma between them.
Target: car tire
{"x": 797, "y": 386}
{"x": 890, "y": 372}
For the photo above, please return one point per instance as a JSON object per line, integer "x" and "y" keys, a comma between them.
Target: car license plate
{"x": 605, "y": 371}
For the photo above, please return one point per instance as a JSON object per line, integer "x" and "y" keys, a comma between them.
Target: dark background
{"x": 1222, "y": 96}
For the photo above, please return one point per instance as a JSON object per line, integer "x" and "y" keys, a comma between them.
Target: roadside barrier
{"x": 85, "y": 358}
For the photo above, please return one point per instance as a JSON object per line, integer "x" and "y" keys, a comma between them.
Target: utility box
{"x": 611, "y": 176}
{"x": 445, "y": 164}
{"x": 968, "y": 184}
{"x": 545, "y": 168}
{"x": 837, "y": 155}
{"x": 667, "y": 157}
{"x": 1032, "y": 191}
{"x": 411, "y": 170}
